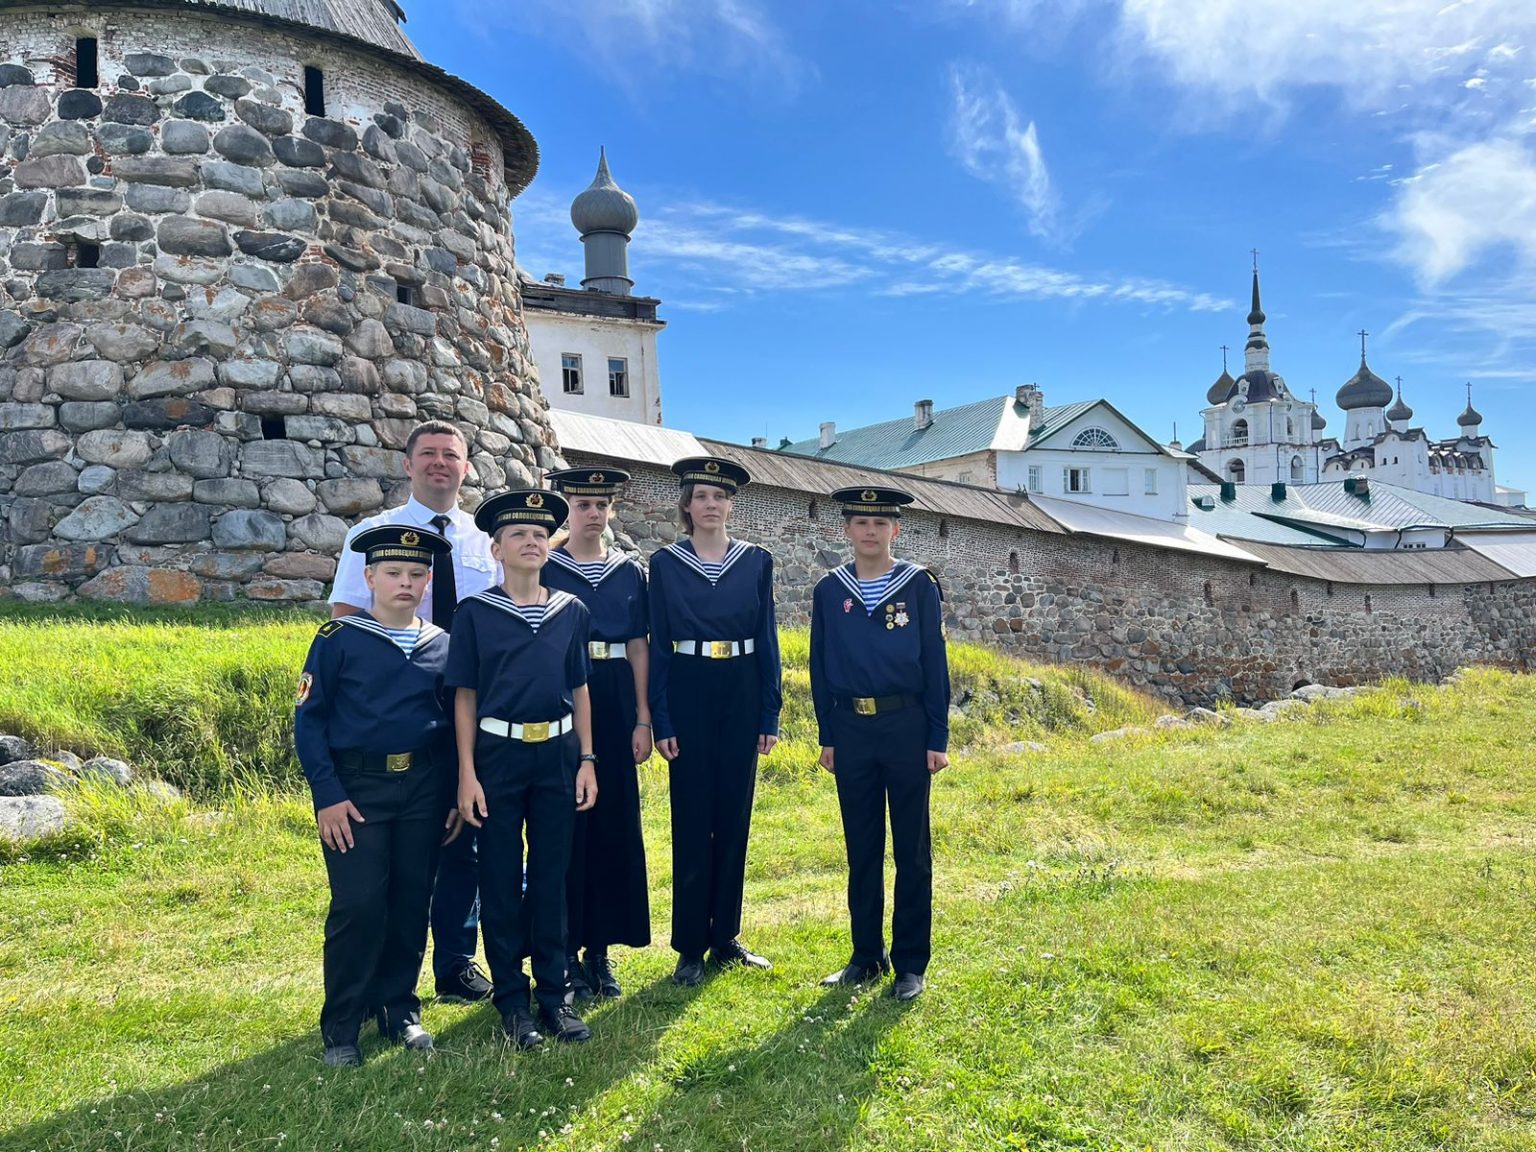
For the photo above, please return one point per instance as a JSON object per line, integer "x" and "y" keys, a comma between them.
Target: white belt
{"x": 602, "y": 650}
{"x": 527, "y": 733}
{"x": 714, "y": 649}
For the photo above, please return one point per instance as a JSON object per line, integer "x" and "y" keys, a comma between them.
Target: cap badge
{"x": 868, "y": 496}
{"x": 711, "y": 467}
{"x": 535, "y": 500}
{"x": 595, "y": 478}
{"x": 409, "y": 539}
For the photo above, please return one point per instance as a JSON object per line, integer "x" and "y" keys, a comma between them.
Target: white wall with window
{"x": 604, "y": 367}
{"x": 1102, "y": 459}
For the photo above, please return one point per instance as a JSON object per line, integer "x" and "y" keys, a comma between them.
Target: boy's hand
{"x": 335, "y": 821}
{"x": 586, "y": 787}
{"x": 472, "y": 802}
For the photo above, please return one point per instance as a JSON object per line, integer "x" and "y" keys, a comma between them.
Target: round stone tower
{"x": 244, "y": 246}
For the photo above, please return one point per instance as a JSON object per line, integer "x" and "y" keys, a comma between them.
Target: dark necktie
{"x": 445, "y": 589}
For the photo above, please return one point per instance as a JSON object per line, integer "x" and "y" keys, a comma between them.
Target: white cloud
{"x": 734, "y": 39}
{"x": 715, "y": 256}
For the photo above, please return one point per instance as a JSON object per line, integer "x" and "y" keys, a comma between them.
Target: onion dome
{"x": 604, "y": 206}
{"x": 1318, "y": 422}
{"x": 1399, "y": 411}
{"x": 1471, "y": 418}
{"x": 1365, "y": 389}
{"x": 1222, "y": 389}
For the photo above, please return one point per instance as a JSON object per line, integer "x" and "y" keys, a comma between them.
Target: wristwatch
{"x": 588, "y": 758}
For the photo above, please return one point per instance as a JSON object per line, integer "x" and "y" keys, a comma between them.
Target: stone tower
{"x": 244, "y": 246}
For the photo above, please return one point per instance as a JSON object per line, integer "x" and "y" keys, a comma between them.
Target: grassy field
{"x": 1314, "y": 934}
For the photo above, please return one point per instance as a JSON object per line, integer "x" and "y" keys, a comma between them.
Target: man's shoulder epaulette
{"x": 330, "y": 628}
{"x": 936, "y": 582}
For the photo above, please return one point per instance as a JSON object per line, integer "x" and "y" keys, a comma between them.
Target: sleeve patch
{"x": 331, "y": 627}
{"x": 306, "y": 682}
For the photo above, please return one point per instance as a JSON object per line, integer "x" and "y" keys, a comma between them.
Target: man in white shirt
{"x": 436, "y": 463}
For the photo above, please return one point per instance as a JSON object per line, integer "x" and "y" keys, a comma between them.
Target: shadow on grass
{"x": 806, "y": 1086}
{"x": 473, "y": 1087}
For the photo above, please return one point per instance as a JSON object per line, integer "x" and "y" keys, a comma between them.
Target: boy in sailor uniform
{"x": 880, "y": 686}
{"x": 523, "y": 716}
{"x": 376, "y": 746}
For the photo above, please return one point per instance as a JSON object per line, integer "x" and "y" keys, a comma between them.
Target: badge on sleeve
{"x": 306, "y": 682}
{"x": 848, "y": 605}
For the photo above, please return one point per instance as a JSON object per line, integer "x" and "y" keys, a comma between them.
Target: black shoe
{"x": 856, "y": 974}
{"x": 600, "y": 976}
{"x": 414, "y": 1037}
{"x": 467, "y": 986}
{"x": 564, "y": 1025}
{"x": 689, "y": 971}
{"x": 576, "y": 979}
{"x": 521, "y": 1029}
{"x": 908, "y": 986}
{"x": 343, "y": 1056}
{"x": 729, "y": 955}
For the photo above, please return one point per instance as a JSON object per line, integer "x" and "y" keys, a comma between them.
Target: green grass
{"x": 204, "y": 698}
{"x": 1314, "y": 934}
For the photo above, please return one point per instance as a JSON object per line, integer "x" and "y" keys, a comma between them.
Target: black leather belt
{"x": 873, "y": 705}
{"x": 378, "y": 763}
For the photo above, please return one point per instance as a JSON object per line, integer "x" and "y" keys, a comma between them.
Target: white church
{"x": 1257, "y": 431}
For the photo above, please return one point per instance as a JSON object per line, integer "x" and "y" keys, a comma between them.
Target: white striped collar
{"x": 734, "y": 551}
{"x": 616, "y": 560}
{"x": 369, "y": 624}
{"x": 900, "y": 575}
{"x": 498, "y": 599}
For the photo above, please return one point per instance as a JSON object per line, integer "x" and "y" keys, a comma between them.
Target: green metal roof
{"x": 895, "y": 444}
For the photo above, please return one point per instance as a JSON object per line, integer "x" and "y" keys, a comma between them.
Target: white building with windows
{"x": 595, "y": 346}
{"x": 1256, "y": 430}
{"x": 1087, "y": 452}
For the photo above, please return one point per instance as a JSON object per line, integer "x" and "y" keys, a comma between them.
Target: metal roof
{"x": 1095, "y": 521}
{"x": 1359, "y": 566}
{"x": 1515, "y": 552}
{"x": 1240, "y": 519}
{"x": 623, "y": 439}
{"x": 894, "y": 444}
{"x": 1386, "y": 508}
{"x": 802, "y": 474}
{"x": 362, "y": 25}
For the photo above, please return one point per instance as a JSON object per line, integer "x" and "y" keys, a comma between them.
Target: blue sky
{"x": 851, "y": 205}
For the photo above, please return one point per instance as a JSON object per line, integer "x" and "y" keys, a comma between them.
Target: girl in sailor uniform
{"x": 374, "y": 740}
{"x": 607, "y": 892}
{"x": 715, "y": 702}
{"x": 880, "y": 686}
{"x": 524, "y": 723}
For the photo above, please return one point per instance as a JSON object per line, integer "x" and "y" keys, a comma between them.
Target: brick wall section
{"x": 1189, "y": 627}
{"x": 202, "y": 414}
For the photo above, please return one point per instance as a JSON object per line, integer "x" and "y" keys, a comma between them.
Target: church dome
{"x": 604, "y": 206}
{"x": 1399, "y": 411}
{"x": 1222, "y": 389}
{"x": 1365, "y": 389}
{"x": 1318, "y": 422}
{"x": 1471, "y": 418}
{"x": 1262, "y": 386}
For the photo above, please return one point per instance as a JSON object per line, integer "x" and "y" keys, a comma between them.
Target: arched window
{"x": 1237, "y": 471}
{"x": 1094, "y": 438}
{"x": 1295, "y": 469}
{"x": 1238, "y": 438}
{"x": 1290, "y": 428}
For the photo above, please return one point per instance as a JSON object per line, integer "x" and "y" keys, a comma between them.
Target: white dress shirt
{"x": 474, "y": 568}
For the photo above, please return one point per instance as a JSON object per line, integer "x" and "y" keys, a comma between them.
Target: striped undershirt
{"x": 712, "y": 571}
{"x": 531, "y": 614}
{"x": 593, "y": 572}
{"x": 872, "y": 592}
{"x": 404, "y": 638}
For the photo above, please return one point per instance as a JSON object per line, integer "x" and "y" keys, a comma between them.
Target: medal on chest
{"x": 896, "y": 616}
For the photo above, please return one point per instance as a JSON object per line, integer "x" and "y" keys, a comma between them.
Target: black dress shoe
{"x": 689, "y": 971}
{"x": 564, "y": 1025}
{"x": 600, "y": 976}
{"x": 576, "y": 979}
{"x": 729, "y": 955}
{"x": 908, "y": 986}
{"x": 343, "y": 1056}
{"x": 855, "y": 974}
{"x": 521, "y": 1029}
{"x": 414, "y": 1037}
{"x": 466, "y": 986}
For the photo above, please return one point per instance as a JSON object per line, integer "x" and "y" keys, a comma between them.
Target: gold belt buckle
{"x": 597, "y": 649}
{"x": 864, "y": 705}
{"x": 399, "y": 762}
{"x": 536, "y": 733}
{"x": 720, "y": 649}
